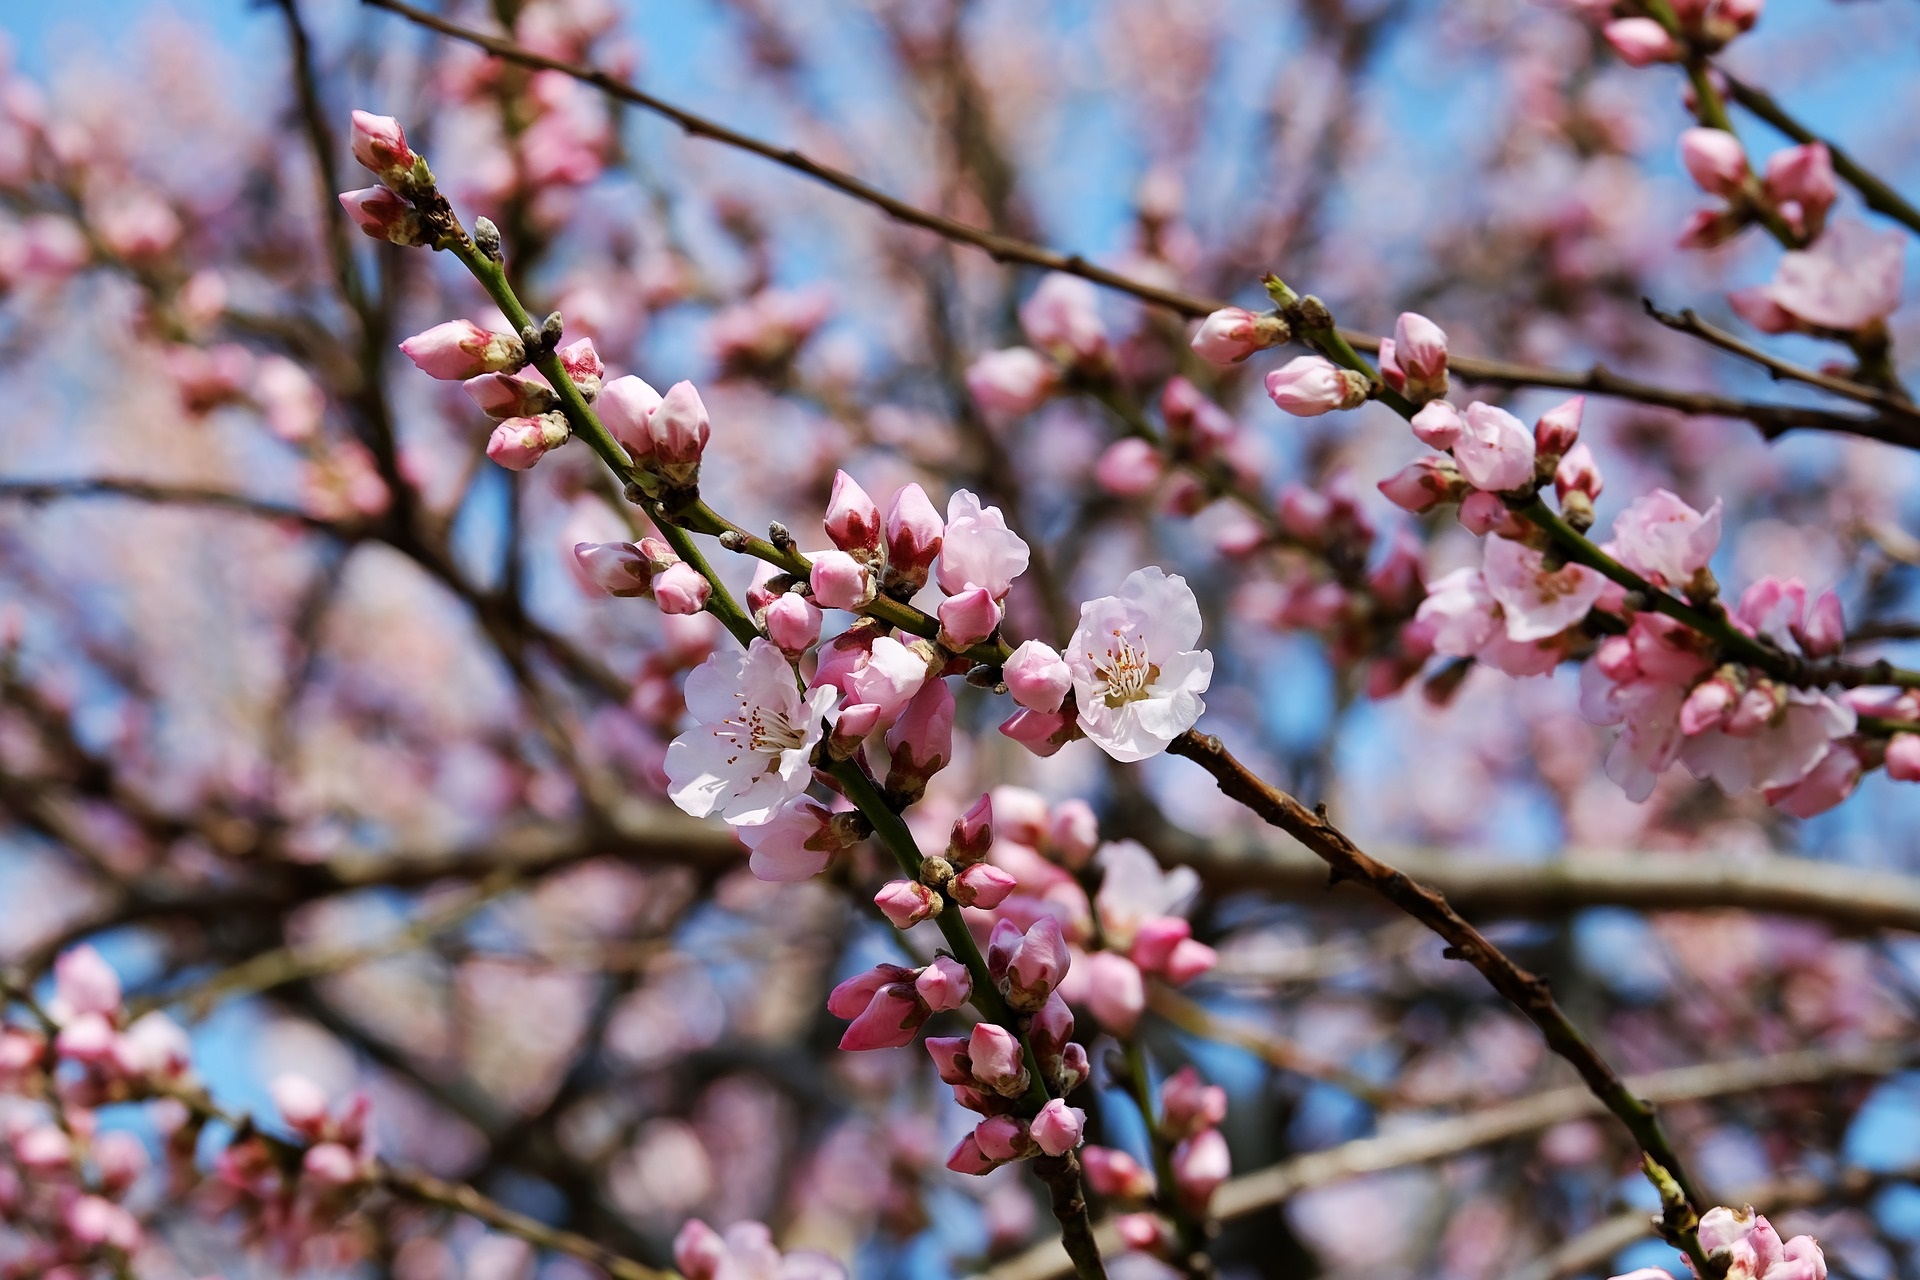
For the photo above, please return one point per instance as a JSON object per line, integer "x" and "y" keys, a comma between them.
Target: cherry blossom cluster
{"x": 293, "y": 1196}
{"x": 1750, "y": 1249}
{"x": 1062, "y": 320}
{"x": 1191, "y": 1112}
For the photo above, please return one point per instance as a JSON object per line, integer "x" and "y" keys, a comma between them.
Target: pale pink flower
{"x": 1189, "y": 1105}
{"x": 944, "y": 985}
{"x": 518, "y": 443}
{"x": 1130, "y": 467}
{"x": 380, "y": 145}
{"x": 460, "y": 349}
{"x": 1495, "y": 450}
{"x": 914, "y": 530}
{"x": 1538, "y": 603}
{"x": 1200, "y": 1165}
{"x": 978, "y": 550}
{"x": 1558, "y": 429}
{"x": 853, "y": 519}
{"x": 1425, "y": 484}
{"x": 1058, "y": 1126}
{"x": 617, "y": 568}
{"x": 1779, "y": 750}
{"x": 795, "y": 843}
{"x": 1063, "y": 316}
{"x": 1641, "y": 42}
{"x": 1027, "y": 964}
{"x": 383, "y": 215}
{"x": 1664, "y": 540}
{"x": 83, "y": 983}
{"x": 1848, "y": 281}
{"x": 1231, "y": 334}
{"x": 1011, "y": 382}
{"x": 793, "y": 622}
{"x": 1137, "y": 677}
{"x": 1037, "y": 676}
{"x": 752, "y": 749}
{"x": 680, "y": 589}
{"x": 1115, "y": 991}
{"x": 1308, "y": 386}
{"x": 1420, "y": 355}
{"x": 1577, "y": 473}
{"x": 967, "y": 619}
{"x": 892, "y": 674}
{"x": 921, "y": 740}
{"x": 906, "y": 903}
{"x": 883, "y": 1005}
{"x": 1462, "y": 612}
{"x": 1801, "y": 184}
{"x": 841, "y": 582}
{"x": 1041, "y": 732}
{"x": 1438, "y": 425}
{"x": 1134, "y": 890}
{"x": 996, "y": 1059}
{"x": 982, "y": 885}
{"x": 626, "y": 407}
{"x": 1715, "y": 159}
{"x": 1116, "y": 1175}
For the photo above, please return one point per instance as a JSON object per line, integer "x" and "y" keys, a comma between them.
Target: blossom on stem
{"x": 518, "y": 443}
{"x": 511, "y": 395}
{"x": 1037, "y": 676}
{"x": 626, "y": 407}
{"x": 1641, "y": 42}
{"x": 1715, "y": 160}
{"x": 1494, "y": 450}
{"x": 906, "y": 903}
{"x": 1200, "y": 1165}
{"x": 461, "y": 349}
{"x": 1538, "y": 602}
{"x": 841, "y": 582}
{"x": 853, "y": 520}
{"x": 1308, "y": 386}
{"x": 1115, "y": 1174}
{"x": 1664, "y": 540}
{"x": 997, "y": 1060}
{"x": 967, "y": 619}
{"x": 1062, "y": 316}
{"x": 1800, "y": 183}
{"x": 1189, "y": 1105}
{"x": 1058, "y": 1127}
{"x": 1137, "y": 677}
{"x": 1011, "y": 382}
{"x": 977, "y": 549}
{"x": 1115, "y": 991}
{"x": 1231, "y": 334}
{"x": 681, "y": 589}
{"x": 1424, "y": 484}
{"x": 752, "y": 750}
{"x": 982, "y": 885}
{"x": 380, "y": 145}
{"x": 1848, "y": 281}
{"x": 1027, "y": 964}
{"x": 1419, "y": 358}
{"x": 381, "y": 214}
{"x": 795, "y": 843}
{"x": 884, "y": 1006}
{"x": 921, "y": 740}
{"x": 1130, "y": 467}
{"x": 914, "y": 530}
{"x": 793, "y": 622}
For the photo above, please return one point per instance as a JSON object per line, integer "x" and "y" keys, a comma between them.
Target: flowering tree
{"x": 901, "y": 801}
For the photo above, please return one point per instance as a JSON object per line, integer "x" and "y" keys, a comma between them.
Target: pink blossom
{"x": 1641, "y": 42}
{"x": 583, "y": 366}
{"x": 972, "y": 833}
{"x": 330, "y": 1164}
{"x": 87, "y": 1038}
{"x": 1495, "y": 450}
{"x": 967, "y": 619}
{"x": 997, "y": 1060}
{"x": 1200, "y": 1165}
{"x": 511, "y": 395}
{"x": 978, "y": 550}
{"x": 841, "y": 582}
{"x": 1037, "y": 676}
{"x": 1577, "y": 473}
{"x": 1189, "y": 1105}
{"x": 1308, "y": 386}
{"x": 1003, "y": 1138}
{"x": 460, "y": 349}
{"x": 95, "y": 1220}
{"x": 680, "y": 589}
{"x": 302, "y": 1104}
{"x": 793, "y": 622}
{"x": 678, "y": 431}
{"x": 892, "y": 674}
{"x": 1027, "y": 964}
{"x": 1041, "y": 732}
{"x": 1058, "y": 1126}
{"x": 853, "y": 520}
{"x": 1063, "y": 316}
{"x": 1824, "y": 633}
{"x": 1664, "y": 540}
{"x": 1115, "y": 1174}
{"x": 795, "y": 843}
{"x": 1538, "y": 603}
{"x": 921, "y": 740}
{"x": 380, "y": 145}
{"x": 1425, "y": 484}
{"x": 1438, "y": 425}
{"x": 1072, "y": 833}
{"x": 1420, "y": 353}
{"x": 1231, "y": 334}
{"x": 381, "y": 214}
{"x": 914, "y": 531}
{"x": 518, "y": 443}
{"x": 967, "y": 1157}
{"x": 617, "y": 568}
{"x": 1011, "y": 382}
{"x": 1462, "y": 612}
{"x": 1903, "y": 757}
{"x": 626, "y": 407}
{"x": 751, "y": 750}
{"x": 982, "y": 885}
{"x": 906, "y": 902}
{"x": 1848, "y": 281}
{"x": 884, "y": 1007}
{"x": 1801, "y": 184}
{"x": 944, "y": 985}
{"x": 1558, "y": 429}
{"x": 1137, "y": 675}
{"x": 1715, "y": 159}
{"x": 1115, "y": 991}
{"x": 83, "y": 983}
{"x": 1130, "y": 467}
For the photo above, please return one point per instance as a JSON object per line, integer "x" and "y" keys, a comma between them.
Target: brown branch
{"x": 43, "y": 491}
{"x": 1455, "y": 1135}
{"x": 1687, "y": 322}
{"x": 1526, "y": 991}
{"x": 1772, "y": 419}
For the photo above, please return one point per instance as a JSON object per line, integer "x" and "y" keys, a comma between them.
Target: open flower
{"x": 1136, "y": 674}
{"x": 752, "y": 750}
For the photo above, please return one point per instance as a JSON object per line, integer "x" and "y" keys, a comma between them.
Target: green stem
{"x": 1192, "y": 1235}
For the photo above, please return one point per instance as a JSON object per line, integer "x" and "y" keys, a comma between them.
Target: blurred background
{"x": 308, "y": 725}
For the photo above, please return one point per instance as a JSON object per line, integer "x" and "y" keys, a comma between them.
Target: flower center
{"x": 1128, "y": 673}
{"x": 762, "y": 730}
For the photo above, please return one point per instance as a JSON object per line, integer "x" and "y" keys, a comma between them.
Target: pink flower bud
{"x": 1438, "y": 425}
{"x": 968, "y": 1158}
{"x": 301, "y": 1103}
{"x": 330, "y": 1165}
{"x": 1155, "y": 939}
{"x": 582, "y": 364}
{"x": 1129, "y": 467}
{"x": 1041, "y": 732}
{"x": 855, "y": 722}
{"x": 1716, "y": 160}
{"x": 87, "y": 1038}
{"x": 1200, "y": 1165}
{"x": 1057, "y": 1127}
{"x": 1420, "y": 351}
{"x": 698, "y": 1251}
{"x": 1707, "y": 706}
{"x": 1558, "y": 429}
{"x": 853, "y": 521}
{"x": 1903, "y": 757}
{"x": 1189, "y": 960}
{"x": 1002, "y": 1138}
{"x": 121, "y": 1158}
{"x": 1495, "y": 450}
{"x": 510, "y": 395}
{"x": 1115, "y": 1174}
{"x": 1037, "y": 676}
{"x": 1009, "y": 383}
{"x": 945, "y": 984}
{"x": 380, "y": 145}
{"x": 679, "y": 588}
{"x": 461, "y": 349}
{"x": 383, "y": 215}
{"x": 1641, "y": 42}
{"x": 921, "y": 740}
{"x": 518, "y": 443}
{"x": 1231, "y": 334}
{"x": 1189, "y": 1104}
{"x": 1308, "y": 386}
{"x": 1115, "y": 991}
{"x": 906, "y": 902}
{"x": 1029, "y": 965}
{"x": 968, "y": 618}
{"x": 95, "y": 1220}
{"x": 1072, "y": 833}
{"x": 1141, "y": 1231}
{"x": 1577, "y": 473}
{"x": 888, "y": 1022}
{"x": 626, "y": 407}
{"x": 84, "y": 983}
{"x": 851, "y": 998}
{"x": 1757, "y": 307}
{"x": 914, "y": 532}
{"x": 1305, "y": 514}
{"x": 795, "y": 844}
{"x": 840, "y": 582}
{"x": 950, "y": 1061}
{"x": 44, "y": 1149}
{"x": 1825, "y": 631}
{"x": 679, "y": 430}
{"x": 1063, "y": 316}
{"x": 1482, "y": 513}
{"x": 972, "y": 833}
{"x": 793, "y": 623}
{"x": 1424, "y": 484}
{"x": 1801, "y": 184}
{"x": 997, "y": 1061}
{"x": 982, "y": 885}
